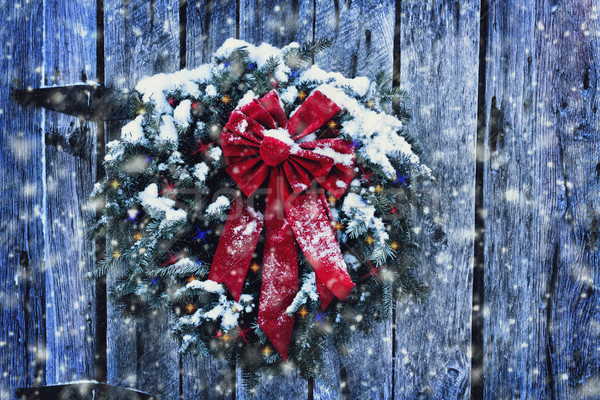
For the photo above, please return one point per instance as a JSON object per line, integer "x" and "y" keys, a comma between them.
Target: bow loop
{"x": 260, "y": 145}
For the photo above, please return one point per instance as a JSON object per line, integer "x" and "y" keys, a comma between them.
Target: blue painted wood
{"x": 141, "y": 39}
{"x": 208, "y": 25}
{"x": 22, "y": 327}
{"x": 540, "y": 170}
{"x": 541, "y": 194}
{"x": 363, "y": 39}
{"x": 277, "y": 23}
{"x": 439, "y": 44}
{"x": 69, "y": 57}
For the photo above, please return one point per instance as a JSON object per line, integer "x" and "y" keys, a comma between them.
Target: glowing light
{"x": 255, "y": 267}
{"x": 266, "y": 351}
{"x": 301, "y": 95}
{"x": 303, "y": 312}
{"x": 114, "y": 183}
{"x": 226, "y": 99}
{"x": 190, "y": 308}
{"x": 394, "y": 246}
{"x": 378, "y": 189}
{"x": 137, "y": 236}
{"x": 370, "y": 240}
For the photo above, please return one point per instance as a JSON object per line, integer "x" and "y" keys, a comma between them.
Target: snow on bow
{"x": 260, "y": 145}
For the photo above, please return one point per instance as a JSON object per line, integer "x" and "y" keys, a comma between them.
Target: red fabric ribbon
{"x": 260, "y": 144}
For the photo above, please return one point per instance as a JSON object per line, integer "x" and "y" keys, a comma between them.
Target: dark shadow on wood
{"x": 477, "y": 338}
{"x": 88, "y": 101}
{"x": 100, "y": 362}
{"x": 182, "y": 33}
{"x": 82, "y": 391}
{"x": 396, "y": 71}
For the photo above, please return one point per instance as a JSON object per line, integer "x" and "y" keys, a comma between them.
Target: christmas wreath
{"x": 265, "y": 202}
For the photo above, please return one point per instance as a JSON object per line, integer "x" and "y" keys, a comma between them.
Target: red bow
{"x": 257, "y": 148}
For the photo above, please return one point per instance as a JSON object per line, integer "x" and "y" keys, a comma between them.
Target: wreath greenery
{"x": 166, "y": 196}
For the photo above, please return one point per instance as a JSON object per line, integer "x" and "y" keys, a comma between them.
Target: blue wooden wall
{"x": 503, "y": 94}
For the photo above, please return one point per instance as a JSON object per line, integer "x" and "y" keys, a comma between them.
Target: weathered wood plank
{"x": 541, "y": 197}
{"x": 208, "y": 25}
{"x": 22, "y": 328}
{"x": 70, "y": 299}
{"x": 363, "y": 40}
{"x": 141, "y": 39}
{"x": 362, "y": 33}
{"x": 276, "y": 23}
{"x": 335, "y": 386}
{"x": 439, "y": 45}
{"x": 205, "y": 379}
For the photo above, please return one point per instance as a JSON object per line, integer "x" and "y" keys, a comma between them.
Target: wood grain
{"x": 276, "y": 23}
{"x": 22, "y": 328}
{"x": 363, "y": 40}
{"x": 362, "y": 33}
{"x": 439, "y": 68}
{"x": 209, "y": 24}
{"x": 541, "y": 197}
{"x": 69, "y": 57}
{"x": 141, "y": 39}
{"x": 540, "y": 193}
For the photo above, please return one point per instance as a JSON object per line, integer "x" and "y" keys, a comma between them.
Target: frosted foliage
{"x": 351, "y": 261}
{"x": 215, "y": 154}
{"x": 182, "y": 114}
{"x": 115, "y": 151}
{"x": 161, "y": 208}
{"x": 207, "y": 286}
{"x": 307, "y": 291}
{"x": 167, "y": 132}
{"x": 226, "y": 312}
{"x": 154, "y": 89}
{"x": 376, "y": 133}
{"x": 359, "y": 85}
{"x": 211, "y": 90}
{"x": 289, "y": 95}
{"x": 133, "y": 131}
{"x": 219, "y": 206}
{"x": 199, "y": 172}
{"x": 359, "y": 212}
{"x": 259, "y": 54}
{"x": 246, "y": 99}
{"x": 175, "y": 158}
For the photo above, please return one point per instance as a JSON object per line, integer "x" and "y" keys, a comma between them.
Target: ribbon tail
{"x": 315, "y": 236}
{"x": 280, "y": 271}
{"x": 236, "y": 246}
{"x": 325, "y": 295}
